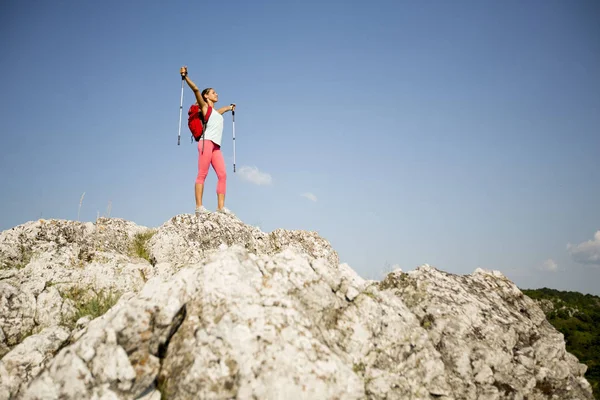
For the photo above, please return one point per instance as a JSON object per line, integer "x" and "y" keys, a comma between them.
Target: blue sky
{"x": 460, "y": 134}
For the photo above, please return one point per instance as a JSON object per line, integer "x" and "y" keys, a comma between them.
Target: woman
{"x": 211, "y": 152}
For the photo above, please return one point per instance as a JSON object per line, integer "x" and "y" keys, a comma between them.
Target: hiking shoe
{"x": 225, "y": 210}
{"x": 201, "y": 211}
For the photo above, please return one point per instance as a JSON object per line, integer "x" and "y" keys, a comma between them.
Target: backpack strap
{"x": 204, "y": 122}
{"x": 208, "y": 111}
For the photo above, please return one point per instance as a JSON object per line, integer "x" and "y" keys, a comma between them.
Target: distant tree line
{"x": 577, "y": 317}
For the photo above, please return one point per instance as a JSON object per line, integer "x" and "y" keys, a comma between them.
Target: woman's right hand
{"x": 183, "y": 71}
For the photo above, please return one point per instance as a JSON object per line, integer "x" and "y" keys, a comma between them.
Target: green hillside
{"x": 577, "y": 316}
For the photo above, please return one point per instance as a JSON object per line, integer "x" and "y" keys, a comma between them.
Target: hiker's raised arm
{"x": 223, "y": 110}
{"x": 192, "y": 85}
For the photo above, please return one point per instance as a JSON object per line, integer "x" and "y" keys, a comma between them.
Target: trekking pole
{"x": 180, "y": 110}
{"x": 233, "y": 126}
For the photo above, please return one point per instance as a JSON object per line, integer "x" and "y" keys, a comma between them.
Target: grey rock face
{"x": 494, "y": 341}
{"x": 221, "y": 310}
{"x": 43, "y": 263}
{"x": 27, "y": 359}
{"x": 183, "y": 240}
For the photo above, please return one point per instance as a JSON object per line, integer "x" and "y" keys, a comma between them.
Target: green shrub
{"x": 139, "y": 245}
{"x": 93, "y": 305}
{"x": 576, "y": 316}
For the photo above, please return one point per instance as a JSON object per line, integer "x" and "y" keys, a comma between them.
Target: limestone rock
{"x": 119, "y": 354}
{"x": 42, "y": 263}
{"x": 185, "y": 239}
{"x": 213, "y": 308}
{"x": 27, "y": 359}
{"x": 494, "y": 341}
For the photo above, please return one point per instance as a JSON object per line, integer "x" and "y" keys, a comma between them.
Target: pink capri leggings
{"x": 212, "y": 155}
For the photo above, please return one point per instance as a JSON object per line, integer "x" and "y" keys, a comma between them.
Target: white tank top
{"x": 214, "y": 127}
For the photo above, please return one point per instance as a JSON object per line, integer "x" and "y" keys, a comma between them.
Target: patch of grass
{"x": 18, "y": 265}
{"x": 139, "y": 245}
{"x": 93, "y": 305}
{"x": 97, "y": 305}
{"x": 162, "y": 385}
{"x": 23, "y": 263}
{"x": 370, "y": 294}
{"x": 427, "y": 321}
{"x": 359, "y": 368}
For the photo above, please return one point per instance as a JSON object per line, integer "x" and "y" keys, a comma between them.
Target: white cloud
{"x": 586, "y": 252}
{"x": 549, "y": 265}
{"x": 309, "y": 196}
{"x": 253, "y": 175}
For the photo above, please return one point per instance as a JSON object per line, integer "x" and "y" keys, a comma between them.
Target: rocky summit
{"x": 212, "y": 308}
